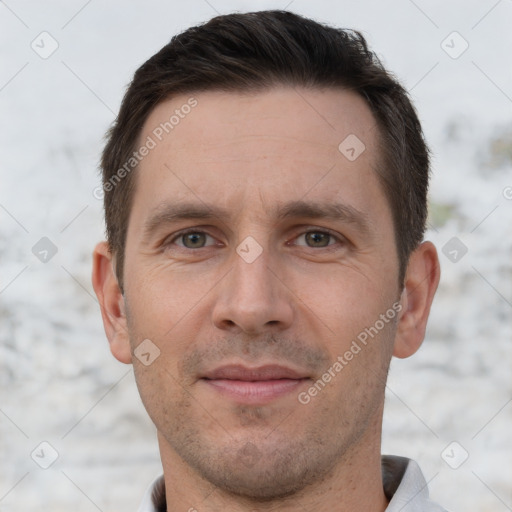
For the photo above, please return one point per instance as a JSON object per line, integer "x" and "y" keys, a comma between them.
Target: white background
{"x": 58, "y": 381}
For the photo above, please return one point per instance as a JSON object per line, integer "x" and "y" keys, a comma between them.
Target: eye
{"x": 317, "y": 238}
{"x": 193, "y": 240}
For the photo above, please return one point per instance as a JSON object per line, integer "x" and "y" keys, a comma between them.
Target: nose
{"x": 253, "y": 298}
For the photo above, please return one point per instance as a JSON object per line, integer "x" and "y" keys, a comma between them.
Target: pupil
{"x": 194, "y": 240}
{"x": 318, "y": 239}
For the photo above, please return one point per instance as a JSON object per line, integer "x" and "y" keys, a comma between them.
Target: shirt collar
{"x": 404, "y": 486}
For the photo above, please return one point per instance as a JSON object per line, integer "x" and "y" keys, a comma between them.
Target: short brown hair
{"x": 259, "y": 50}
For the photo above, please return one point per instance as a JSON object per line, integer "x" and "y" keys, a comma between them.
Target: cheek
{"x": 345, "y": 301}
{"x": 162, "y": 297}
{"x": 158, "y": 314}
{"x": 357, "y": 375}
{"x": 160, "y": 390}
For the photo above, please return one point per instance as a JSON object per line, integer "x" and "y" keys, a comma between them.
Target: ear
{"x": 421, "y": 280}
{"x": 111, "y": 302}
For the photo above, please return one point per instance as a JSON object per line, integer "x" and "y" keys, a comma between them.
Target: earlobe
{"x": 421, "y": 281}
{"x": 111, "y": 302}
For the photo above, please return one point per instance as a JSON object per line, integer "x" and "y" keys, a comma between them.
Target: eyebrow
{"x": 329, "y": 211}
{"x": 168, "y": 213}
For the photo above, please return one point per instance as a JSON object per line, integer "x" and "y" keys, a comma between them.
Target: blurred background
{"x": 65, "y": 66}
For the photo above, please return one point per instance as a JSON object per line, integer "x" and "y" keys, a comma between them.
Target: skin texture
{"x": 301, "y": 302}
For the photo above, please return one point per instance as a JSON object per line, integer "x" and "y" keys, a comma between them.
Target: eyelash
{"x": 311, "y": 230}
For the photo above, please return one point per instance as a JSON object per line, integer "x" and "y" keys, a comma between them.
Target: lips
{"x": 254, "y": 385}
{"x": 268, "y": 372}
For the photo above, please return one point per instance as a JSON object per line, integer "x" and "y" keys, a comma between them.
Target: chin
{"x": 259, "y": 471}
{"x": 257, "y": 483}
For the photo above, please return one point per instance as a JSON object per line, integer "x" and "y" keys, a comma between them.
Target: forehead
{"x": 259, "y": 146}
{"x": 316, "y": 116}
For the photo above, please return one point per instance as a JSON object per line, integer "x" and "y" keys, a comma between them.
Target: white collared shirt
{"x": 404, "y": 486}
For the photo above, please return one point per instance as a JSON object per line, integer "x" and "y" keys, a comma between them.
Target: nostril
{"x": 225, "y": 323}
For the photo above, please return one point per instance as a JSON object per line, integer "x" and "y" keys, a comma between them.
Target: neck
{"x": 354, "y": 484}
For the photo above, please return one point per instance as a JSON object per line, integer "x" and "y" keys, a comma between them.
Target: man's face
{"x": 289, "y": 256}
